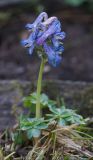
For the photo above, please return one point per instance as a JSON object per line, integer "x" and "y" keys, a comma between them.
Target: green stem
{"x": 38, "y": 109}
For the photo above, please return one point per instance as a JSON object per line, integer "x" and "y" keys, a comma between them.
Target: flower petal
{"x": 53, "y": 58}
{"x": 60, "y": 35}
{"x": 31, "y": 49}
{"x": 49, "y": 21}
{"x": 53, "y": 28}
{"x": 40, "y": 18}
{"x": 29, "y": 26}
{"x": 58, "y": 47}
{"x": 30, "y": 41}
{"x": 24, "y": 42}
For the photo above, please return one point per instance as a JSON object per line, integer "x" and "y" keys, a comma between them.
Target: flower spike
{"x": 45, "y": 33}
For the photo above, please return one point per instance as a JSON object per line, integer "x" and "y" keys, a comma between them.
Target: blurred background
{"x": 76, "y": 17}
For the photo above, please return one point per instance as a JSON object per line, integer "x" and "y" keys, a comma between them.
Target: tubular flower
{"x": 53, "y": 57}
{"x": 55, "y": 26}
{"x": 46, "y": 33}
{"x": 37, "y": 22}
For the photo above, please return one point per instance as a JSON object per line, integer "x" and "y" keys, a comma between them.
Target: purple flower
{"x": 53, "y": 58}
{"x": 52, "y": 29}
{"x": 46, "y": 33}
{"x": 42, "y": 17}
{"x": 30, "y": 42}
{"x": 60, "y": 35}
{"x": 58, "y": 46}
{"x": 35, "y": 32}
{"x": 57, "y": 42}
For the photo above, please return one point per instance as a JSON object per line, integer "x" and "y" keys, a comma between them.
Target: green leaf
{"x": 33, "y": 98}
{"x": 64, "y": 116}
{"x": 36, "y": 132}
{"x": 18, "y": 137}
{"x": 62, "y": 122}
{"x": 30, "y": 101}
{"x": 63, "y": 107}
{"x": 32, "y": 126}
{"x": 29, "y": 134}
{"x": 24, "y": 128}
{"x": 53, "y": 109}
{"x": 44, "y": 99}
{"x": 26, "y": 101}
{"x": 51, "y": 103}
{"x": 42, "y": 126}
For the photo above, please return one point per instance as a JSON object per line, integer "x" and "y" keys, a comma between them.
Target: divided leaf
{"x": 65, "y": 116}
{"x": 30, "y": 101}
{"x": 32, "y": 126}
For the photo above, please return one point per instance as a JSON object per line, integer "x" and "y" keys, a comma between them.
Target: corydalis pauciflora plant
{"x": 46, "y": 33}
{"x": 46, "y": 36}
